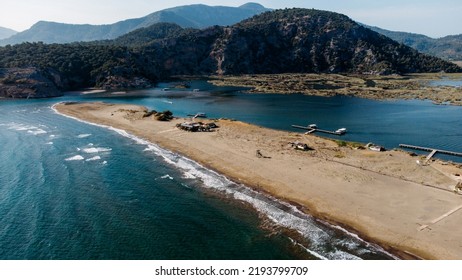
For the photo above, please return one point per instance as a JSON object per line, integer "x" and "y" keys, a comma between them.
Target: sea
{"x": 71, "y": 190}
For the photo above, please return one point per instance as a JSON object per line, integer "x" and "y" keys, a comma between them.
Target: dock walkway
{"x": 311, "y": 130}
{"x": 432, "y": 151}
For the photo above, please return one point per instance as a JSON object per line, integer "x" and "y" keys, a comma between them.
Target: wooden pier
{"x": 431, "y": 150}
{"x": 312, "y": 130}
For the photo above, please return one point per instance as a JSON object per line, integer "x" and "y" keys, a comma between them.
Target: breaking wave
{"x": 75, "y": 158}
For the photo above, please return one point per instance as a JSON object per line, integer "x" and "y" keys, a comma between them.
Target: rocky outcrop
{"x": 121, "y": 78}
{"x": 26, "y": 83}
{"x": 292, "y": 41}
{"x": 302, "y": 40}
{"x": 113, "y": 82}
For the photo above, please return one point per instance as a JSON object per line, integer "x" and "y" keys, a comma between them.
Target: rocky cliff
{"x": 293, "y": 41}
{"x": 28, "y": 83}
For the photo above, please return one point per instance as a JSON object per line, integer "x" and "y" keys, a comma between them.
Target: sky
{"x": 434, "y": 18}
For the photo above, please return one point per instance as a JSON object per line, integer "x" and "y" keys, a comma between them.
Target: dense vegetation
{"x": 283, "y": 41}
{"x": 78, "y": 65}
{"x": 146, "y": 35}
{"x": 317, "y": 41}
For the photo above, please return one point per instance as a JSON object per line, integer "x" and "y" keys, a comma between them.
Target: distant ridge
{"x": 448, "y": 47}
{"x": 6, "y": 32}
{"x": 196, "y": 16}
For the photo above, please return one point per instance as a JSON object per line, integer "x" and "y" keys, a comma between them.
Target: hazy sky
{"x": 435, "y": 18}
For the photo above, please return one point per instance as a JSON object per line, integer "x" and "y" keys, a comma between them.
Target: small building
{"x": 197, "y": 126}
{"x": 300, "y": 146}
{"x": 375, "y": 148}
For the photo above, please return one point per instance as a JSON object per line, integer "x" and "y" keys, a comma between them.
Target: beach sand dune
{"x": 385, "y": 197}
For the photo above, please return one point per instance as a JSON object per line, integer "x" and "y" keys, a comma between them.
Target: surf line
{"x": 227, "y": 188}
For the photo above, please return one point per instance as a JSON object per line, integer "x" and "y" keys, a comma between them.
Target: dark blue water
{"x": 70, "y": 190}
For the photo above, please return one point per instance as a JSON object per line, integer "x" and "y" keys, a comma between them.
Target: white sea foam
{"x": 34, "y": 130}
{"x": 93, "y": 158}
{"x": 75, "y": 158}
{"x": 279, "y": 212}
{"x": 21, "y": 127}
{"x": 37, "y": 131}
{"x": 81, "y": 136}
{"x": 187, "y": 175}
{"x": 167, "y": 177}
{"x": 96, "y": 150}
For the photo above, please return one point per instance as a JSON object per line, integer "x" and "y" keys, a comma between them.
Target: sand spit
{"x": 385, "y": 197}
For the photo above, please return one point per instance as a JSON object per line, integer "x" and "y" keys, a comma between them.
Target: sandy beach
{"x": 386, "y": 197}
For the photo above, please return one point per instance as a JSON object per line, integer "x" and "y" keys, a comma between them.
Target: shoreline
{"x": 126, "y": 117}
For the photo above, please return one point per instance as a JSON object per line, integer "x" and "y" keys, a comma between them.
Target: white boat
{"x": 341, "y": 131}
{"x": 375, "y": 148}
{"x": 313, "y": 126}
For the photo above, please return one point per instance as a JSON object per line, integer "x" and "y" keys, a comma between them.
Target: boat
{"x": 313, "y": 126}
{"x": 341, "y": 131}
{"x": 375, "y": 148}
{"x": 196, "y": 90}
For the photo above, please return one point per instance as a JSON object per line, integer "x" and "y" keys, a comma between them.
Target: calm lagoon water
{"x": 70, "y": 190}
{"x": 447, "y": 82}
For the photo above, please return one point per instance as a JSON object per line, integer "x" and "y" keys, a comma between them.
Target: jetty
{"x": 314, "y": 128}
{"x": 432, "y": 151}
{"x": 198, "y": 115}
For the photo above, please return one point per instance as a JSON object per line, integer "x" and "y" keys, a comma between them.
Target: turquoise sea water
{"x": 71, "y": 190}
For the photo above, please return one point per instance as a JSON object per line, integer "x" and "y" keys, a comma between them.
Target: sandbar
{"x": 385, "y": 197}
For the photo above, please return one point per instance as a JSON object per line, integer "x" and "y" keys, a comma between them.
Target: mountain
{"x": 449, "y": 47}
{"x": 196, "y": 16}
{"x": 291, "y": 41}
{"x": 282, "y": 41}
{"x": 146, "y": 35}
{"x": 6, "y": 32}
